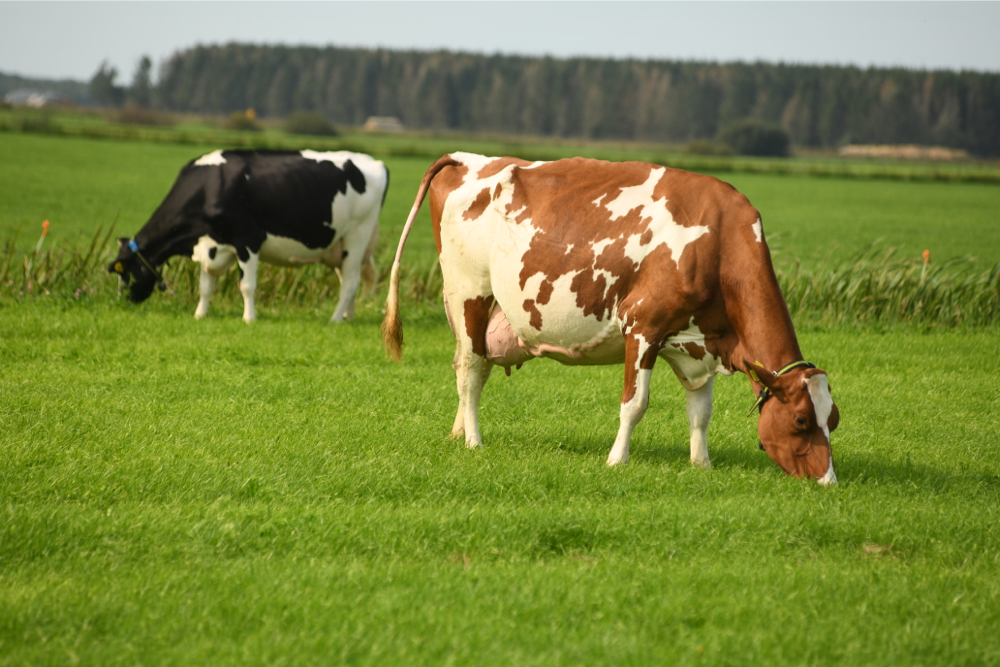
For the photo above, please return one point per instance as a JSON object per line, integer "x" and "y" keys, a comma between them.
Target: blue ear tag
{"x": 133, "y": 246}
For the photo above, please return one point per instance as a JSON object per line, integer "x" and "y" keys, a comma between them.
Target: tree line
{"x": 646, "y": 100}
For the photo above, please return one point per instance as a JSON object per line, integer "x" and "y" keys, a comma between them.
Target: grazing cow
{"x": 592, "y": 262}
{"x": 282, "y": 207}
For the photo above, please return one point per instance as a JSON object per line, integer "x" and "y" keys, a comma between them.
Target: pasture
{"x": 176, "y": 491}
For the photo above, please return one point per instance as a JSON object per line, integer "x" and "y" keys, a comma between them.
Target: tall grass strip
{"x": 876, "y": 287}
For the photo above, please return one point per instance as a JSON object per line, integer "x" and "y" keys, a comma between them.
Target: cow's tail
{"x": 392, "y": 325}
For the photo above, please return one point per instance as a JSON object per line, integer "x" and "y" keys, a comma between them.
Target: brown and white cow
{"x": 592, "y": 262}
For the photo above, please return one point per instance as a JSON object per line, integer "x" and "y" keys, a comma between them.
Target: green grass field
{"x": 178, "y": 492}
{"x": 83, "y": 184}
{"x": 184, "y": 492}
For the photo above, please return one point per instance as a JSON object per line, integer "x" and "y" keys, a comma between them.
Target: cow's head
{"x": 796, "y": 420}
{"x": 133, "y": 273}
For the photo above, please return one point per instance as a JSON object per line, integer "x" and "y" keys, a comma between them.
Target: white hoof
{"x": 617, "y": 460}
{"x": 704, "y": 464}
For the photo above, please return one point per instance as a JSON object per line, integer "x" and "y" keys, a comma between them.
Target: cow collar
{"x": 134, "y": 247}
{"x": 765, "y": 393}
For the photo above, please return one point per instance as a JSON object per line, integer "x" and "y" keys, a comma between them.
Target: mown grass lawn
{"x": 178, "y": 492}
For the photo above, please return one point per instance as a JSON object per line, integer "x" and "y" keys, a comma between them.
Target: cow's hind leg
{"x": 472, "y": 370}
{"x": 699, "y": 412}
{"x": 353, "y": 259}
{"x": 369, "y": 273}
{"x": 206, "y": 288}
{"x": 248, "y": 286}
{"x": 640, "y": 356}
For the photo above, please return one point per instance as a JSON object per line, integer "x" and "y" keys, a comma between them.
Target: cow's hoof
{"x": 704, "y": 464}
{"x": 472, "y": 444}
{"x": 615, "y": 461}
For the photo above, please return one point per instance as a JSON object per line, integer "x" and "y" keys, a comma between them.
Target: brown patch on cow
{"x": 646, "y": 237}
{"x": 536, "y": 315}
{"x": 497, "y": 191}
{"x": 499, "y": 164}
{"x": 519, "y": 200}
{"x": 477, "y": 316}
{"x": 545, "y": 292}
{"x": 649, "y": 357}
{"x": 479, "y": 205}
{"x": 694, "y": 350}
{"x": 445, "y": 182}
{"x": 631, "y": 372}
{"x": 590, "y": 293}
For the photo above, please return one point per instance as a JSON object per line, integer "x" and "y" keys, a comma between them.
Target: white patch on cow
{"x": 661, "y": 222}
{"x": 284, "y": 251}
{"x": 693, "y": 373}
{"x": 819, "y": 392}
{"x": 758, "y": 230}
{"x": 224, "y": 257}
{"x": 210, "y": 159}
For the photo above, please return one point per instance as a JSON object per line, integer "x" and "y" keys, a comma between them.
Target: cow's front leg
{"x": 206, "y": 288}
{"x": 248, "y": 286}
{"x": 639, "y": 359}
{"x": 699, "y": 412}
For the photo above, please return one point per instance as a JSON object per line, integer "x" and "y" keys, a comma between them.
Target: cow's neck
{"x": 757, "y": 310}
{"x": 160, "y": 245}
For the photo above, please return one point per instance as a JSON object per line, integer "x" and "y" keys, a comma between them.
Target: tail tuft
{"x": 392, "y": 325}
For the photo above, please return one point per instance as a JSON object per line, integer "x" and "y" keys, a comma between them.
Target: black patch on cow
{"x": 212, "y": 252}
{"x": 240, "y": 269}
{"x": 386, "y": 191}
{"x": 354, "y": 176}
{"x": 343, "y": 256}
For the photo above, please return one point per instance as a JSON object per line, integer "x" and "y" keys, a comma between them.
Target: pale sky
{"x": 70, "y": 39}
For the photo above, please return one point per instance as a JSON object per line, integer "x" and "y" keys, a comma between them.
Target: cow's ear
{"x": 759, "y": 374}
{"x": 833, "y": 421}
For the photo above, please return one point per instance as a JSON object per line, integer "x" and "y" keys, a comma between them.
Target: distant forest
{"x": 645, "y": 100}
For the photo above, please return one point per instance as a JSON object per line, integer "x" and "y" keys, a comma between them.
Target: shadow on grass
{"x": 851, "y": 468}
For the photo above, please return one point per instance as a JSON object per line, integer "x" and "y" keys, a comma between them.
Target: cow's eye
{"x": 800, "y": 421}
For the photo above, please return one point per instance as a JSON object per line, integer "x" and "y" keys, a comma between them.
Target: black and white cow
{"x": 245, "y": 206}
